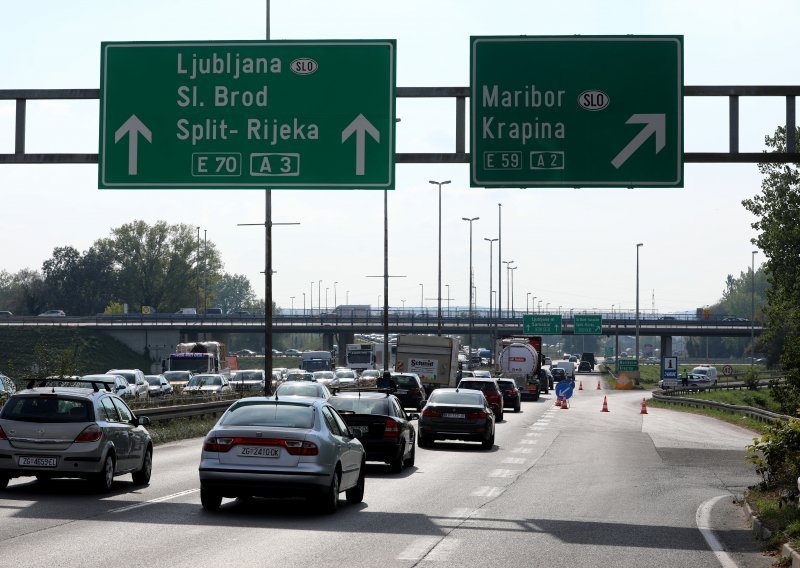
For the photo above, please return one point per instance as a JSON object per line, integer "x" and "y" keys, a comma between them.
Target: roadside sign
{"x": 565, "y": 389}
{"x": 669, "y": 367}
{"x": 541, "y": 324}
{"x": 627, "y": 365}
{"x": 588, "y": 325}
{"x": 727, "y": 370}
{"x": 609, "y": 352}
{"x": 570, "y": 111}
{"x": 247, "y": 115}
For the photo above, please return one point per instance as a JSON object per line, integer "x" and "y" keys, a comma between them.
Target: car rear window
{"x": 476, "y": 385}
{"x": 506, "y": 385}
{"x": 284, "y": 415}
{"x": 361, "y": 405}
{"x": 402, "y": 381}
{"x": 299, "y": 389}
{"x": 48, "y": 409}
{"x": 456, "y": 398}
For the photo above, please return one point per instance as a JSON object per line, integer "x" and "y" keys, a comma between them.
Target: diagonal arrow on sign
{"x": 360, "y": 125}
{"x": 655, "y": 124}
{"x": 133, "y": 127}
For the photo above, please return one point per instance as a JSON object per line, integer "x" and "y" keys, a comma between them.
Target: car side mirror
{"x": 141, "y": 421}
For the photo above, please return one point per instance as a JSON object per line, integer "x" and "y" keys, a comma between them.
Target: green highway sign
{"x": 609, "y": 352}
{"x": 247, "y": 114}
{"x": 627, "y": 365}
{"x": 571, "y": 111}
{"x": 541, "y": 324}
{"x": 588, "y": 325}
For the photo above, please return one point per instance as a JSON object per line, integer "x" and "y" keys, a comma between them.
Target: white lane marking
{"x": 517, "y": 461}
{"x": 418, "y": 548}
{"x": 527, "y": 441}
{"x": 153, "y": 501}
{"x": 533, "y": 434}
{"x": 503, "y": 473}
{"x": 703, "y": 520}
{"x": 487, "y": 491}
{"x": 442, "y": 551}
{"x": 522, "y": 451}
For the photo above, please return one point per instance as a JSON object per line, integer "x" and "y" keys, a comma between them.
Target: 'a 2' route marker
{"x": 576, "y": 111}
{"x": 248, "y": 114}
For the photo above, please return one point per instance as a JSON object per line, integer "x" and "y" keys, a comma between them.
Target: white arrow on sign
{"x": 133, "y": 127}
{"x": 360, "y": 125}
{"x": 656, "y": 123}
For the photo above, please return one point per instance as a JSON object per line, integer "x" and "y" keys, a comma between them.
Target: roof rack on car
{"x": 43, "y": 382}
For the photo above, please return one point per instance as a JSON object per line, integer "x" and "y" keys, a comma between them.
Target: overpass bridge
{"x": 159, "y": 333}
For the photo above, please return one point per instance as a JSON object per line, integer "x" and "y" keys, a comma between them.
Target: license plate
{"x": 452, "y": 415}
{"x": 359, "y": 430}
{"x": 402, "y": 391}
{"x": 30, "y": 461}
{"x": 260, "y": 452}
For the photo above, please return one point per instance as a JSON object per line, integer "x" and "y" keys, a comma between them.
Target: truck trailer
{"x": 433, "y": 358}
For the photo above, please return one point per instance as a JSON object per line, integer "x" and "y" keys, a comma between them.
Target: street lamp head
{"x": 639, "y": 245}
{"x": 439, "y": 182}
{"x": 488, "y": 239}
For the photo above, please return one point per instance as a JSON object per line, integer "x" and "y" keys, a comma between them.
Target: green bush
{"x": 776, "y": 456}
{"x": 751, "y": 378}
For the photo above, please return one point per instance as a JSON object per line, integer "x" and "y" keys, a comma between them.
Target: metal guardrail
{"x": 161, "y": 413}
{"x": 755, "y": 413}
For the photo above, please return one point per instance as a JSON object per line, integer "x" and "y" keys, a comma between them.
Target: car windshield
{"x": 47, "y": 409}
{"x": 204, "y": 380}
{"x": 278, "y": 414}
{"x": 558, "y": 372}
{"x": 130, "y": 377}
{"x": 456, "y": 398}
{"x": 323, "y": 375}
{"x": 360, "y": 357}
{"x": 361, "y": 405}
{"x": 154, "y": 381}
{"x": 177, "y": 375}
{"x": 248, "y": 376}
{"x": 299, "y": 389}
{"x": 345, "y": 374}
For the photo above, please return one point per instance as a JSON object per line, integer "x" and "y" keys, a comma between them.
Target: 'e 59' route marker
{"x": 572, "y": 111}
{"x": 247, "y": 114}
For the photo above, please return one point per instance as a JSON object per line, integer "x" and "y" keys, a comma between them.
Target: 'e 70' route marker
{"x": 247, "y": 114}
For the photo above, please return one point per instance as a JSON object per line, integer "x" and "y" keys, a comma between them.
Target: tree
{"x": 778, "y": 226}
{"x": 233, "y": 292}
{"x": 159, "y": 265}
{"x": 80, "y": 284}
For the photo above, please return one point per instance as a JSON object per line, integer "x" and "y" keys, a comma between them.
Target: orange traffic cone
{"x": 580, "y": 386}
{"x": 558, "y": 402}
{"x": 605, "y": 405}
{"x": 564, "y": 403}
{"x": 598, "y": 385}
{"x": 644, "y": 407}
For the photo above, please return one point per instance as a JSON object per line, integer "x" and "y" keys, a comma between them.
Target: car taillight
{"x": 298, "y": 448}
{"x": 480, "y": 415}
{"x": 90, "y": 434}
{"x": 513, "y": 391}
{"x": 214, "y": 444}
{"x": 431, "y": 413}
{"x": 2, "y": 434}
{"x": 391, "y": 429}
{"x": 415, "y": 390}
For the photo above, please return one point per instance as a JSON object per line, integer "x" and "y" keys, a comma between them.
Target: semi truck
{"x": 317, "y": 361}
{"x": 360, "y": 356}
{"x": 519, "y": 358}
{"x": 198, "y": 357}
{"x": 433, "y": 358}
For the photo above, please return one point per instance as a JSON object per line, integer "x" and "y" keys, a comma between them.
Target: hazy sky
{"x": 574, "y": 248}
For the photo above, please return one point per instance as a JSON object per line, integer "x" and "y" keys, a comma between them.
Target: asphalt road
{"x": 561, "y": 487}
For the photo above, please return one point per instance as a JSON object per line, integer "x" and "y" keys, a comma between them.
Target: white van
{"x": 708, "y": 372}
{"x": 187, "y": 312}
{"x": 569, "y": 368}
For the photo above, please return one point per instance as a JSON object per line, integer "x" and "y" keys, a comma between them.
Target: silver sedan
{"x": 276, "y": 448}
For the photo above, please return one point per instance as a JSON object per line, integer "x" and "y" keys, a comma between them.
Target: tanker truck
{"x": 517, "y": 358}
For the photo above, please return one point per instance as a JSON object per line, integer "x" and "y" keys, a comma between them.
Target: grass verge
{"x": 738, "y": 420}
{"x": 761, "y": 398}
{"x": 783, "y": 519}
{"x": 165, "y": 431}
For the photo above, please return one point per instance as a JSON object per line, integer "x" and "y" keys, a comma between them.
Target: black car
{"x": 512, "y": 398}
{"x": 409, "y": 391}
{"x": 545, "y": 377}
{"x": 379, "y": 422}
{"x": 558, "y": 374}
{"x": 456, "y": 414}
{"x": 585, "y": 367}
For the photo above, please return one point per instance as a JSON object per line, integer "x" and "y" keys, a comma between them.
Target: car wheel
{"x": 500, "y": 416}
{"x": 517, "y": 408}
{"x": 356, "y": 494}
{"x": 396, "y": 465}
{"x": 536, "y": 397}
{"x": 105, "y": 479}
{"x": 330, "y": 496}
{"x": 411, "y": 458}
{"x": 488, "y": 444}
{"x": 4, "y": 479}
{"x": 142, "y": 477}
{"x": 211, "y": 501}
{"x": 423, "y": 442}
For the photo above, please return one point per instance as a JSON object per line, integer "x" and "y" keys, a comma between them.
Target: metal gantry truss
{"x": 460, "y": 94}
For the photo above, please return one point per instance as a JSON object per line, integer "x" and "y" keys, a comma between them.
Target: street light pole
{"x": 491, "y": 245}
{"x": 752, "y": 308}
{"x": 448, "y": 299}
{"x": 304, "y": 303}
{"x": 421, "y": 298}
{"x": 439, "y": 289}
{"x": 311, "y": 300}
{"x": 292, "y": 297}
{"x": 326, "y": 299}
{"x": 638, "y": 245}
{"x": 470, "y": 220}
{"x": 527, "y": 302}
{"x": 319, "y": 296}
{"x": 335, "y": 303}
{"x": 499, "y": 263}
{"x": 512, "y": 269}
{"x": 508, "y": 264}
